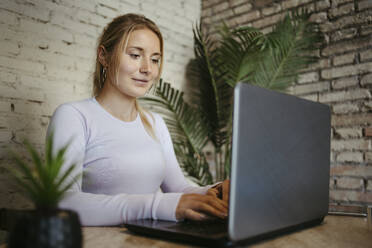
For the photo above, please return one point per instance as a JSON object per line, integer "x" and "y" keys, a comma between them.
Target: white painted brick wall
{"x": 47, "y": 55}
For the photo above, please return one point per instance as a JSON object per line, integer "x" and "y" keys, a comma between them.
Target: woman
{"x": 124, "y": 153}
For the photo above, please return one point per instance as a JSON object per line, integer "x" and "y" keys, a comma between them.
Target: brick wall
{"x": 342, "y": 79}
{"x": 47, "y": 54}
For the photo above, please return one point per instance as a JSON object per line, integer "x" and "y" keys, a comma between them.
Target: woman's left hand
{"x": 221, "y": 190}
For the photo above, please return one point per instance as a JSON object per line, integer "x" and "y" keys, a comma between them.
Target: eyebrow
{"x": 141, "y": 49}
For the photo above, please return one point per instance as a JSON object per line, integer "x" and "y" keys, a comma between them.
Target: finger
{"x": 221, "y": 202}
{"x": 217, "y": 203}
{"x": 194, "y": 215}
{"x": 212, "y": 192}
{"x": 210, "y": 209}
{"x": 225, "y": 190}
{"x": 216, "y": 193}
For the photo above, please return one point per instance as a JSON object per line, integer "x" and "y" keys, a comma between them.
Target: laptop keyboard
{"x": 209, "y": 227}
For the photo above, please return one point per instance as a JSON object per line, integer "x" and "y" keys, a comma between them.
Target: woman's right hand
{"x": 199, "y": 207}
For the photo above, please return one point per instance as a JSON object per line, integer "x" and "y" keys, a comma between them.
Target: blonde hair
{"x": 114, "y": 39}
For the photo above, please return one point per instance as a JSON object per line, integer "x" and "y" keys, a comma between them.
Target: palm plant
{"x": 243, "y": 54}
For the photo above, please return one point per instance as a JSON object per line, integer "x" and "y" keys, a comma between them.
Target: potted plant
{"x": 242, "y": 54}
{"x": 44, "y": 184}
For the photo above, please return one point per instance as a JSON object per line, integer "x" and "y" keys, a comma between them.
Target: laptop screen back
{"x": 280, "y": 161}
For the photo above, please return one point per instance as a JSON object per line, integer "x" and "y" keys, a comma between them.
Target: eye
{"x": 155, "y": 61}
{"x": 134, "y": 56}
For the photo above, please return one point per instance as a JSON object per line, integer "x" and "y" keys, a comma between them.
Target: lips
{"x": 140, "y": 80}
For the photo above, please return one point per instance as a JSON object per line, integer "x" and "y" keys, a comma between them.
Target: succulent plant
{"x": 46, "y": 182}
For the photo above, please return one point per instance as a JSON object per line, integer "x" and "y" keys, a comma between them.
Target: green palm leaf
{"x": 209, "y": 90}
{"x": 238, "y": 51}
{"x": 186, "y": 125}
{"x": 195, "y": 166}
{"x": 285, "y": 54}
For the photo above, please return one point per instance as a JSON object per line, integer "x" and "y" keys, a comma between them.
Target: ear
{"x": 102, "y": 55}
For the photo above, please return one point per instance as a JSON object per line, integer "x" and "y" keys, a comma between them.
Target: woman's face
{"x": 139, "y": 63}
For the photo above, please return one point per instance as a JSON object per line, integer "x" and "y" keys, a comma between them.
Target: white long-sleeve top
{"x": 122, "y": 166}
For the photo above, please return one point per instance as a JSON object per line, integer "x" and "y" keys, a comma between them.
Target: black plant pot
{"x": 55, "y": 228}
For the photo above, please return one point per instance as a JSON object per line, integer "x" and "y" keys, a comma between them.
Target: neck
{"x": 117, "y": 104}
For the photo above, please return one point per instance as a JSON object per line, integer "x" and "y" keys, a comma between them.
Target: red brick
{"x": 226, "y": 14}
{"x": 332, "y": 183}
{"x": 336, "y": 3}
{"x": 349, "y": 132}
{"x": 310, "y": 88}
{"x": 293, "y": 3}
{"x": 267, "y": 21}
{"x": 220, "y": 7}
{"x": 348, "y": 70}
{"x": 350, "y": 196}
{"x": 246, "y": 18}
{"x": 344, "y": 83}
{"x": 206, "y": 12}
{"x": 345, "y": 108}
{"x": 207, "y": 3}
{"x": 320, "y": 5}
{"x": 366, "y": 79}
{"x": 364, "y": 4}
{"x": 235, "y": 2}
{"x": 308, "y": 77}
{"x": 366, "y": 30}
{"x": 309, "y": 7}
{"x": 354, "y": 144}
{"x": 344, "y": 59}
{"x": 322, "y": 63}
{"x": 348, "y": 120}
{"x": 339, "y": 96}
{"x": 368, "y": 157}
{"x": 311, "y": 97}
{"x": 346, "y": 46}
{"x": 349, "y": 183}
{"x": 356, "y": 157}
{"x": 344, "y": 34}
{"x": 319, "y": 17}
{"x": 351, "y": 170}
{"x": 369, "y": 185}
{"x": 368, "y": 131}
{"x": 242, "y": 8}
{"x": 340, "y": 23}
{"x": 367, "y": 105}
{"x": 347, "y": 208}
{"x": 275, "y": 8}
{"x": 342, "y": 10}
{"x": 366, "y": 55}
{"x": 262, "y": 3}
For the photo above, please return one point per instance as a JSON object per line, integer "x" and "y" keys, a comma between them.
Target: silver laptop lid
{"x": 280, "y": 161}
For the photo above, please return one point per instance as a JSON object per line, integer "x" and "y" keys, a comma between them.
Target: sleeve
{"x": 69, "y": 125}
{"x": 174, "y": 180}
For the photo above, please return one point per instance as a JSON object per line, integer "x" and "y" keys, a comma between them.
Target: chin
{"x": 133, "y": 90}
{"x": 138, "y": 92}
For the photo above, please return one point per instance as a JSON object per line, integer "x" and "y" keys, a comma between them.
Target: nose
{"x": 145, "y": 66}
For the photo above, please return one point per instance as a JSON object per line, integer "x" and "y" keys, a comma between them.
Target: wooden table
{"x": 336, "y": 231}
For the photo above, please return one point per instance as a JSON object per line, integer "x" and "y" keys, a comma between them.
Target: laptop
{"x": 279, "y": 172}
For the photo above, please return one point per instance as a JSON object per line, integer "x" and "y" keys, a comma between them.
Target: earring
{"x": 103, "y": 76}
